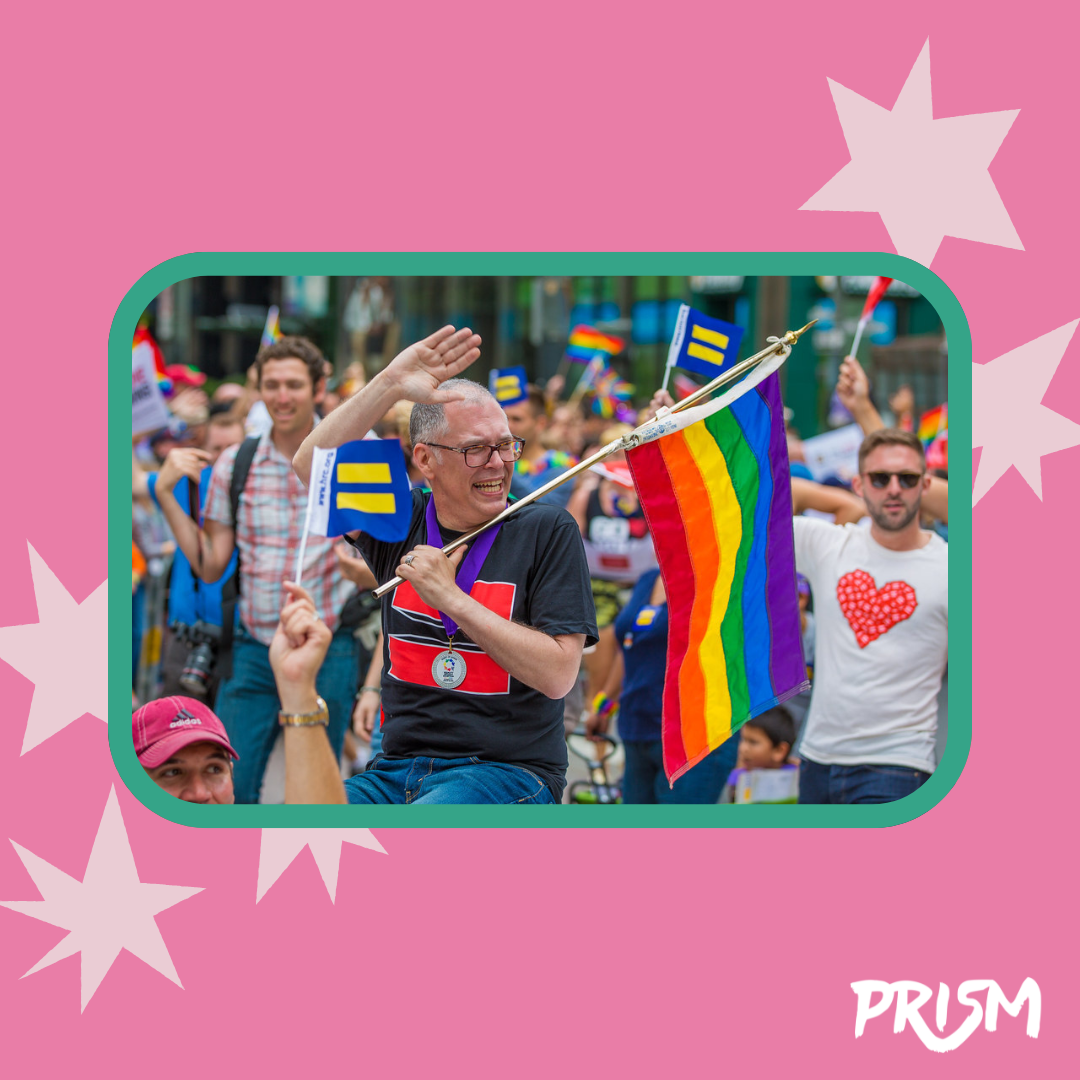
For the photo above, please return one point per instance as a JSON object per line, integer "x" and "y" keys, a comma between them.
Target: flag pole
{"x": 676, "y": 342}
{"x": 586, "y": 379}
{"x": 623, "y": 443}
{"x": 858, "y": 337}
{"x": 303, "y": 544}
{"x": 307, "y": 517}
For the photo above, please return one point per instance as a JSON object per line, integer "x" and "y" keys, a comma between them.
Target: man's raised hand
{"x": 300, "y": 642}
{"x": 419, "y": 370}
{"x": 660, "y": 400}
{"x": 852, "y": 386}
{"x": 182, "y": 461}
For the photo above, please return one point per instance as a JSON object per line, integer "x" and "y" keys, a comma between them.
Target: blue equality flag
{"x": 703, "y": 344}
{"x": 509, "y": 385}
{"x": 360, "y": 486}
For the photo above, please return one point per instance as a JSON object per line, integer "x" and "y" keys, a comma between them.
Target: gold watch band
{"x": 320, "y": 716}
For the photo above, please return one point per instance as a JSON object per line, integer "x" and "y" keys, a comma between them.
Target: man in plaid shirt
{"x": 267, "y": 532}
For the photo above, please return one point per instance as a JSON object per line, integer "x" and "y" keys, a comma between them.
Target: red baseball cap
{"x": 166, "y": 725}
{"x": 185, "y": 375}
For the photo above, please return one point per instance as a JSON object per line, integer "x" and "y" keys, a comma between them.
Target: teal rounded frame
{"x": 520, "y": 264}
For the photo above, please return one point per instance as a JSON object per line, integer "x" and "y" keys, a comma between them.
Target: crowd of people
{"x": 463, "y": 685}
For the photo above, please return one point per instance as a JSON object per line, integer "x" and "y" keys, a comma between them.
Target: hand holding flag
{"x": 760, "y": 366}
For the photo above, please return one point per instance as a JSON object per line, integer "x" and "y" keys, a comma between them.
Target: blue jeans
{"x": 247, "y": 704}
{"x": 856, "y": 783}
{"x": 644, "y": 780}
{"x": 415, "y": 781}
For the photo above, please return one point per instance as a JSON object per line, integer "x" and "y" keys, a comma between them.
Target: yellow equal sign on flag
{"x": 507, "y": 386}
{"x": 367, "y": 502}
{"x": 703, "y": 352}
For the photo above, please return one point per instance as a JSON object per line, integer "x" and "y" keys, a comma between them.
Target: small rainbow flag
{"x": 715, "y": 489}
{"x": 272, "y": 329}
{"x": 586, "y": 343}
{"x": 937, "y": 453}
{"x": 933, "y": 423}
{"x": 611, "y": 395}
{"x": 143, "y": 336}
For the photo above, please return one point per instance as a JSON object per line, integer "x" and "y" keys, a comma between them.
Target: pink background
{"x": 134, "y": 133}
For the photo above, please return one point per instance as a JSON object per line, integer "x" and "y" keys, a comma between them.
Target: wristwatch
{"x": 320, "y": 716}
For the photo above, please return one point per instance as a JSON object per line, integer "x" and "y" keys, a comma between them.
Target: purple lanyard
{"x": 470, "y": 565}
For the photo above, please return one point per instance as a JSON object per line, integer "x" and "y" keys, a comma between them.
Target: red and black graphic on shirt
{"x": 411, "y": 658}
{"x": 871, "y": 611}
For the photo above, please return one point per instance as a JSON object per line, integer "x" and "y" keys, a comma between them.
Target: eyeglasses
{"x": 907, "y": 479}
{"x": 478, "y": 455}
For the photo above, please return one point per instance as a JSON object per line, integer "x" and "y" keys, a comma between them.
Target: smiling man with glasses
{"x": 481, "y": 647}
{"x": 881, "y": 609}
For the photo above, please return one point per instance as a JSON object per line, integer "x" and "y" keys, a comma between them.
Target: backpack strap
{"x": 230, "y": 591}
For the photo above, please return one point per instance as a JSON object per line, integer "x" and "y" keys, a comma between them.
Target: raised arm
{"x": 853, "y": 390}
{"x": 935, "y": 501}
{"x": 808, "y": 495}
{"x": 207, "y": 550}
{"x": 415, "y": 374}
{"x": 296, "y": 654}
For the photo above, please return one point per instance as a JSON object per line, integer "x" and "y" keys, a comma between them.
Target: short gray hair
{"x": 428, "y": 419}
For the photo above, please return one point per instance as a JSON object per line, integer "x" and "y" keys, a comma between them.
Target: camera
{"x": 203, "y": 638}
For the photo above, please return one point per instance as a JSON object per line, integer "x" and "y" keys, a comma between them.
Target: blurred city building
{"x": 216, "y": 323}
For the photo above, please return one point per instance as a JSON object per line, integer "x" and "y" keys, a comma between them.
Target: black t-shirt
{"x": 535, "y": 574}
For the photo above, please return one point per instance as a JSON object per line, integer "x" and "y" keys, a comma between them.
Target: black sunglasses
{"x": 907, "y": 479}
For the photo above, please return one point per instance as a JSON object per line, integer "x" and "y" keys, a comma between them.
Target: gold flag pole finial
{"x": 793, "y": 335}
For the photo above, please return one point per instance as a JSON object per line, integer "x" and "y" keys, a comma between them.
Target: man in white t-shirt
{"x": 881, "y": 606}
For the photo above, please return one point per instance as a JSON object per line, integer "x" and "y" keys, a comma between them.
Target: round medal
{"x": 449, "y": 669}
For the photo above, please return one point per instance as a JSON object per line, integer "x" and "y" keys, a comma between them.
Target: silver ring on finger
{"x": 408, "y": 560}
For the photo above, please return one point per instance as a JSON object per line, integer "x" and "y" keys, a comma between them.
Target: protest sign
{"x": 148, "y": 409}
{"x": 835, "y": 453}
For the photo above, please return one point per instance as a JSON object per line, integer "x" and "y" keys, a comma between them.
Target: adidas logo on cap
{"x": 184, "y": 719}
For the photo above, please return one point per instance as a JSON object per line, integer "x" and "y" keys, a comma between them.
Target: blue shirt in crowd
{"x": 186, "y": 603}
{"x": 642, "y": 632}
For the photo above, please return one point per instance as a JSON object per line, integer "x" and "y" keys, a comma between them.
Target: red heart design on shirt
{"x": 872, "y": 611}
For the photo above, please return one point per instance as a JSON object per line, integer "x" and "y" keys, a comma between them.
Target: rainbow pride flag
{"x": 716, "y": 492}
{"x": 272, "y": 328}
{"x": 143, "y": 335}
{"x": 611, "y": 396}
{"x": 933, "y": 423}
{"x": 586, "y": 343}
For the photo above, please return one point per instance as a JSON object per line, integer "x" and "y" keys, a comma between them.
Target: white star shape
{"x": 1008, "y": 419}
{"x": 65, "y": 654}
{"x": 280, "y": 846}
{"x": 927, "y": 178}
{"x": 109, "y": 910}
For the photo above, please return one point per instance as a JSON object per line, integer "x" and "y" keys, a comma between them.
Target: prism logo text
{"x": 910, "y": 997}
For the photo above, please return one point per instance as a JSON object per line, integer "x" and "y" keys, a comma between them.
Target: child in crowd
{"x": 765, "y": 743}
